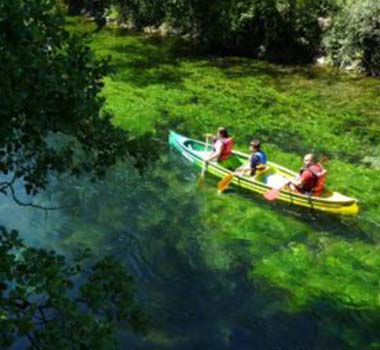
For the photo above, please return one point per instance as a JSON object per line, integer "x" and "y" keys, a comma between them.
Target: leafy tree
{"x": 75, "y": 7}
{"x": 275, "y": 29}
{"x": 49, "y": 303}
{"x": 280, "y": 30}
{"x": 50, "y": 108}
{"x": 141, "y": 13}
{"x": 51, "y": 120}
{"x": 355, "y": 36}
{"x": 284, "y": 30}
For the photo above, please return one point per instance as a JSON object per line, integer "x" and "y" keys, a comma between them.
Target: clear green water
{"x": 231, "y": 271}
{"x": 226, "y": 272}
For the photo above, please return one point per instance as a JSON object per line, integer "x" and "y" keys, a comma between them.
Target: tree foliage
{"x": 51, "y": 120}
{"x": 355, "y": 35}
{"x": 275, "y": 29}
{"x": 279, "y": 30}
{"x": 50, "y": 108}
{"x": 75, "y": 7}
{"x": 48, "y": 303}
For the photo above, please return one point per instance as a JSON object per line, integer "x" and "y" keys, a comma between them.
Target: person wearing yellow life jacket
{"x": 222, "y": 146}
{"x": 312, "y": 178}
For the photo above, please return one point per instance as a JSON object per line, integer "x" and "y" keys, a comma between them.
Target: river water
{"x": 217, "y": 271}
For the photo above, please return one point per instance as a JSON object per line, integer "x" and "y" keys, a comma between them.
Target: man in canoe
{"x": 257, "y": 160}
{"x": 312, "y": 178}
{"x": 222, "y": 146}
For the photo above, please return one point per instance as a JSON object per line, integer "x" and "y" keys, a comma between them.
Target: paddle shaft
{"x": 205, "y": 161}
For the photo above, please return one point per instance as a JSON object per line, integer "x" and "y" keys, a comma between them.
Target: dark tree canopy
{"x": 285, "y": 30}
{"x": 50, "y": 109}
{"x": 347, "y": 31}
{"x": 51, "y": 120}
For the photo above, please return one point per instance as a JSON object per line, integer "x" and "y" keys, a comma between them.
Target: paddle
{"x": 274, "y": 193}
{"x": 225, "y": 182}
{"x": 201, "y": 179}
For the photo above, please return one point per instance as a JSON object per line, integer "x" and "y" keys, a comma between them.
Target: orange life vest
{"x": 228, "y": 145}
{"x": 318, "y": 183}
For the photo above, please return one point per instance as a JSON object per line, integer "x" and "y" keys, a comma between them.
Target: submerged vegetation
{"x": 259, "y": 266}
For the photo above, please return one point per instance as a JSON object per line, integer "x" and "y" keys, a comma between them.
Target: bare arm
{"x": 245, "y": 168}
{"x": 297, "y": 181}
{"x": 218, "y": 151}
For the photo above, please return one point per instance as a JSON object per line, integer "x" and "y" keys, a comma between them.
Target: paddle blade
{"x": 225, "y": 182}
{"x": 272, "y": 194}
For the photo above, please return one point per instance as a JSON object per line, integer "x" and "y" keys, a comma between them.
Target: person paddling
{"x": 257, "y": 160}
{"x": 311, "y": 179}
{"x": 222, "y": 146}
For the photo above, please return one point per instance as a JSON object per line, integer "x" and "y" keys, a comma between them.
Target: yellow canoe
{"x": 330, "y": 201}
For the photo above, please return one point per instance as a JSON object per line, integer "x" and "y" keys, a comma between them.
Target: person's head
{"x": 255, "y": 145}
{"x": 222, "y": 132}
{"x": 308, "y": 159}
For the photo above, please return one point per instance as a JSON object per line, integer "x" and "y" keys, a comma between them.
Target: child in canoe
{"x": 257, "y": 160}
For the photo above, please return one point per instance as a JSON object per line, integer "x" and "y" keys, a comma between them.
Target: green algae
{"x": 228, "y": 257}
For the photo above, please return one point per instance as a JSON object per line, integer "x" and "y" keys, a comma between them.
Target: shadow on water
{"x": 197, "y": 257}
{"x": 346, "y": 227}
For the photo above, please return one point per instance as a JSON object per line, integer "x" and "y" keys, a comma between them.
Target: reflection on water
{"x": 218, "y": 272}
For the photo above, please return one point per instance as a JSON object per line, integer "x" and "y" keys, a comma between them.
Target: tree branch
{"x": 19, "y": 202}
{"x": 5, "y": 184}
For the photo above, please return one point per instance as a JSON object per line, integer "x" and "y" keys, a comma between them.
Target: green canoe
{"x": 332, "y": 202}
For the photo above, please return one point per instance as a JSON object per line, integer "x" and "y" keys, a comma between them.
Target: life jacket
{"x": 261, "y": 155}
{"x": 228, "y": 145}
{"x": 317, "y": 184}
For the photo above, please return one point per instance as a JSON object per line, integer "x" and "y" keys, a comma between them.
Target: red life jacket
{"x": 317, "y": 183}
{"x": 228, "y": 145}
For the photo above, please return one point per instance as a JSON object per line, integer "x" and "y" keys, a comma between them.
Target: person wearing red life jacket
{"x": 222, "y": 146}
{"x": 312, "y": 178}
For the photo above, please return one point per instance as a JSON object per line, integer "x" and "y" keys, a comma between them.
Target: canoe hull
{"x": 193, "y": 151}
